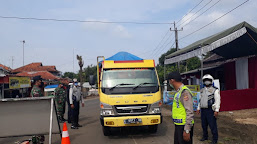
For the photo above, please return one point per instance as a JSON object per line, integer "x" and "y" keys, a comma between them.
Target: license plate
{"x": 132, "y": 121}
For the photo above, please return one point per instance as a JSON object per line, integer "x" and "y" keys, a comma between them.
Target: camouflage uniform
{"x": 60, "y": 99}
{"x": 36, "y": 92}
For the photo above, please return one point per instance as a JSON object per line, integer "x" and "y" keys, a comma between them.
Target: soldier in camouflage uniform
{"x": 60, "y": 99}
{"x": 36, "y": 90}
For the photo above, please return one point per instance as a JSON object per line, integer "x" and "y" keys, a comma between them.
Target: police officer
{"x": 68, "y": 102}
{"x": 36, "y": 90}
{"x": 75, "y": 97}
{"x": 60, "y": 99}
{"x": 182, "y": 110}
{"x": 209, "y": 105}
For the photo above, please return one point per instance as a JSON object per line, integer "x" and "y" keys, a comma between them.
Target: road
{"x": 91, "y": 132}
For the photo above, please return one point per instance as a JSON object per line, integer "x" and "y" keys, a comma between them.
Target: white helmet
{"x": 208, "y": 76}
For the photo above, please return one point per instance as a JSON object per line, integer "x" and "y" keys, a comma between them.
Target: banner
{"x": 194, "y": 88}
{"x": 19, "y": 82}
{"x": 168, "y": 96}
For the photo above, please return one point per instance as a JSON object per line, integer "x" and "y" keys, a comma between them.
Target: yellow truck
{"x": 130, "y": 94}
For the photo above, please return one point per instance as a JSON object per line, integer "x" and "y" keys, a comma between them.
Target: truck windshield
{"x": 143, "y": 79}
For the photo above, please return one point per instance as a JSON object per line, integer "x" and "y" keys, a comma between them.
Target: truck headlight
{"x": 106, "y": 109}
{"x": 107, "y": 112}
{"x": 155, "y": 107}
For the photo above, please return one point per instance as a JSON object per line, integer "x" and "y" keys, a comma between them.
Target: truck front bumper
{"x": 119, "y": 121}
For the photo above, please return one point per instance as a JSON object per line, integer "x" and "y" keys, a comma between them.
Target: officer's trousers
{"x": 69, "y": 113}
{"x": 208, "y": 118}
{"x": 178, "y": 135}
{"x": 64, "y": 108}
{"x": 75, "y": 113}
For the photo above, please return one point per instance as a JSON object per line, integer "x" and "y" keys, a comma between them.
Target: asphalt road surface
{"x": 91, "y": 132}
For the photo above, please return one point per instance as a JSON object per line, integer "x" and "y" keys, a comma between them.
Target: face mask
{"x": 171, "y": 86}
{"x": 207, "y": 83}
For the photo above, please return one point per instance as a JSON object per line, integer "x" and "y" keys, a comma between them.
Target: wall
{"x": 238, "y": 99}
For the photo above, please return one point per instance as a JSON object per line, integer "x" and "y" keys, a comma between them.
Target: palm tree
{"x": 81, "y": 63}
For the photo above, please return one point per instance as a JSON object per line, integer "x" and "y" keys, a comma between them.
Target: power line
{"x": 165, "y": 47}
{"x": 169, "y": 30}
{"x": 195, "y": 13}
{"x": 202, "y": 13}
{"x": 154, "y": 53}
{"x": 190, "y": 11}
{"x": 84, "y": 21}
{"x": 177, "y": 22}
{"x": 161, "y": 50}
{"x": 214, "y": 20}
{"x": 160, "y": 42}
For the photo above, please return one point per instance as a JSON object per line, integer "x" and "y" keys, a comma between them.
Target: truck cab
{"x": 130, "y": 94}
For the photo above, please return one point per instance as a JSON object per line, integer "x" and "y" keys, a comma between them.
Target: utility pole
{"x": 23, "y": 50}
{"x": 176, "y": 38}
{"x": 73, "y": 60}
{"x": 12, "y": 61}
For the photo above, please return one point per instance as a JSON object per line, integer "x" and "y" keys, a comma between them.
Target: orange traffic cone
{"x": 65, "y": 134}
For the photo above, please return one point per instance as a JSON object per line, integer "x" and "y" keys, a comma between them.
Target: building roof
{"x": 44, "y": 75}
{"x": 35, "y": 67}
{"x": 237, "y": 41}
{"x": 5, "y": 67}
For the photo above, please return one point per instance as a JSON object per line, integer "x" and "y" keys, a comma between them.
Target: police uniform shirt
{"x": 187, "y": 102}
{"x": 205, "y": 92}
{"x": 75, "y": 91}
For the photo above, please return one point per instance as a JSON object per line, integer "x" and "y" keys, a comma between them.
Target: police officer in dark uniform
{"x": 75, "y": 97}
{"x": 209, "y": 105}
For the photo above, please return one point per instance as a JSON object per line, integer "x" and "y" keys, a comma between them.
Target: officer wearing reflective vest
{"x": 209, "y": 106}
{"x": 182, "y": 110}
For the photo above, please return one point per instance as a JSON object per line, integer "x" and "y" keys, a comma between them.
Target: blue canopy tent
{"x": 51, "y": 86}
{"x": 123, "y": 56}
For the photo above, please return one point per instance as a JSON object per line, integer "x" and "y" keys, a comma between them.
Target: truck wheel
{"x": 153, "y": 128}
{"x": 106, "y": 130}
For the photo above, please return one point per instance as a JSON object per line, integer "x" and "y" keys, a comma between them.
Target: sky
{"x": 57, "y": 43}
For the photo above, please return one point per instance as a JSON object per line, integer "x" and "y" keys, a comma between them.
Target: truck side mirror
{"x": 91, "y": 80}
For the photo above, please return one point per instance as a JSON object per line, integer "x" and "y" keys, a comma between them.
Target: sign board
{"x": 194, "y": 88}
{"x": 19, "y": 82}
{"x": 168, "y": 96}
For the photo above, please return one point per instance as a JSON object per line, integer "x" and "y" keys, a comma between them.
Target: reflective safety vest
{"x": 178, "y": 110}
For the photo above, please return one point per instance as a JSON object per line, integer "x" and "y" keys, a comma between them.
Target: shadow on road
{"x": 137, "y": 132}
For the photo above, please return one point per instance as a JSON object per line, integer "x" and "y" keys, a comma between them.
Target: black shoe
{"x": 74, "y": 127}
{"x": 203, "y": 139}
{"x": 78, "y": 125}
{"x": 63, "y": 119}
{"x": 69, "y": 122}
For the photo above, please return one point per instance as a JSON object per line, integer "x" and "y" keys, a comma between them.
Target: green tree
{"x": 89, "y": 70}
{"x": 193, "y": 63}
{"x": 168, "y": 68}
{"x": 162, "y": 58}
{"x": 70, "y": 75}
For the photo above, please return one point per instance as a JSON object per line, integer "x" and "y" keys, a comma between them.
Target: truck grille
{"x": 131, "y": 109}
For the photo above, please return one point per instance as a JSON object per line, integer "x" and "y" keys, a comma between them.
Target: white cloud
{"x": 106, "y": 28}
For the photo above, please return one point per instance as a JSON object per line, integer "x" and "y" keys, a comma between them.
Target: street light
{"x": 23, "y": 50}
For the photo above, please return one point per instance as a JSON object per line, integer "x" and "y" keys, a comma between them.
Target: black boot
{"x": 203, "y": 139}
{"x": 74, "y": 127}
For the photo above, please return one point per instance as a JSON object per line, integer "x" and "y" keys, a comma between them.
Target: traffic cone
{"x": 65, "y": 134}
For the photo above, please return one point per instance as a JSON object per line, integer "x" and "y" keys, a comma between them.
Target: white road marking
{"x": 134, "y": 140}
